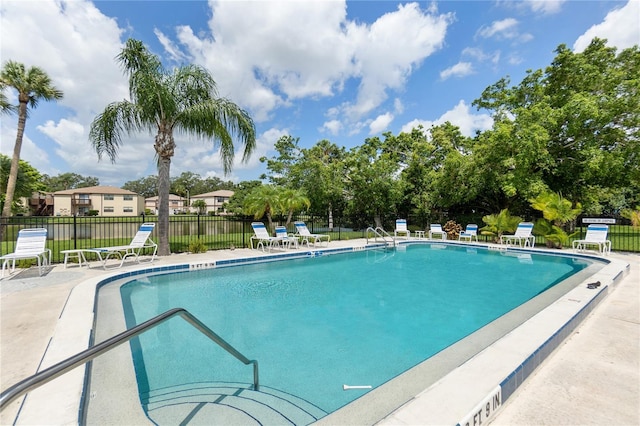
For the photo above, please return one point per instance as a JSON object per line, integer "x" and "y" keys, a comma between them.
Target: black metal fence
{"x": 186, "y": 232}
{"x": 189, "y": 232}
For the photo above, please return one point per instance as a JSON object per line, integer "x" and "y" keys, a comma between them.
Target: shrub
{"x": 453, "y": 229}
{"x": 197, "y": 246}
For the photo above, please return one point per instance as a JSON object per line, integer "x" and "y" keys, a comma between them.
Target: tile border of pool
{"x": 61, "y": 399}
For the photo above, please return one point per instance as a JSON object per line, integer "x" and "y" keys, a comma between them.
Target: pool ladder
{"x": 45, "y": 376}
{"x": 378, "y": 232}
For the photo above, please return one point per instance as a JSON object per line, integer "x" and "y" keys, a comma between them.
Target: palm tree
{"x": 184, "y": 99}
{"x": 555, "y": 208}
{"x": 292, "y": 200}
{"x": 557, "y": 211}
{"x": 498, "y": 224}
{"x": 32, "y": 85}
{"x": 263, "y": 200}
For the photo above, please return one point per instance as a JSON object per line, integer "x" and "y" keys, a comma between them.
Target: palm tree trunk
{"x": 15, "y": 161}
{"x": 15, "y": 165}
{"x": 330, "y": 217}
{"x": 164, "y": 182}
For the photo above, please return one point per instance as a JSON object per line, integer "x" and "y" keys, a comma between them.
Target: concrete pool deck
{"x": 592, "y": 378}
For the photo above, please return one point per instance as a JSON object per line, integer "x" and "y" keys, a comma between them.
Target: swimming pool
{"x": 304, "y": 318}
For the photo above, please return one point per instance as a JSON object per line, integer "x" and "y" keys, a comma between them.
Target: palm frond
{"x": 107, "y": 128}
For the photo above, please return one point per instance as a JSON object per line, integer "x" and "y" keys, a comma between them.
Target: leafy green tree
{"x": 240, "y": 192}
{"x": 281, "y": 168}
{"x": 184, "y": 184}
{"x": 211, "y": 184}
{"x": 163, "y": 101}
{"x": 596, "y": 94}
{"x": 573, "y": 128}
{"x": 321, "y": 172}
{"x": 32, "y": 85}
{"x": 65, "y": 181}
{"x": 146, "y": 186}
{"x": 435, "y": 168}
{"x": 189, "y": 183}
{"x": 262, "y": 201}
{"x": 372, "y": 185}
{"x": 27, "y": 182}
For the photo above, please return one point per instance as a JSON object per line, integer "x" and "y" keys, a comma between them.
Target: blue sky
{"x": 336, "y": 70}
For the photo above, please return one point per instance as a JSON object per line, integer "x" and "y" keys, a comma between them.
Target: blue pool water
{"x": 315, "y": 324}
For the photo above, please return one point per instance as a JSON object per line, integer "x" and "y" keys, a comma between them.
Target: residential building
{"x": 214, "y": 200}
{"x": 177, "y": 204}
{"x": 105, "y": 200}
{"x": 39, "y": 204}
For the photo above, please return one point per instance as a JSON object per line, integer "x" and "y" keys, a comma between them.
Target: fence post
{"x": 198, "y": 227}
{"x": 75, "y": 233}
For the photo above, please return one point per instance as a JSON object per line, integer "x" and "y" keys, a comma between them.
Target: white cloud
{"x": 135, "y": 156}
{"x": 37, "y": 158}
{"x": 269, "y": 54}
{"x": 547, "y": 7}
{"x": 621, "y": 28}
{"x": 172, "y": 50}
{"x": 74, "y": 43}
{"x": 515, "y": 59}
{"x": 332, "y": 127}
{"x": 480, "y": 55}
{"x": 380, "y": 123}
{"x": 398, "y": 106}
{"x": 506, "y": 28}
{"x": 461, "y": 69}
{"x": 460, "y": 116}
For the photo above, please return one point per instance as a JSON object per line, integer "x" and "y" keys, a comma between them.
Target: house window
{"x": 128, "y": 197}
{"x": 127, "y": 209}
{"x": 108, "y": 197}
{"x": 108, "y": 210}
{"x": 221, "y": 199}
{"x": 174, "y": 203}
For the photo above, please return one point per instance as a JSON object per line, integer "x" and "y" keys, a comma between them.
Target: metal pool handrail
{"x": 45, "y": 376}
{"x": 379, "y": 232}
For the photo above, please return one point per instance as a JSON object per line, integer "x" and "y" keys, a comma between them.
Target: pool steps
{"x": 228, "y": 403}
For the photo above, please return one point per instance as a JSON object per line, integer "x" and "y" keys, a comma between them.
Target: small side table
{"x": 77, "y": 254}
{"x": 419, "y": 234}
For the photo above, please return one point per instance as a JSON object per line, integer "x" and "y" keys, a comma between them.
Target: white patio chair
{"x": 596, "y": 236}
{"x": 31, "y": 244}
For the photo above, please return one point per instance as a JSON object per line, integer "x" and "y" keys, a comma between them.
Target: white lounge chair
{"x": 470, "y": 233}
{"x": 522, "y": 237}
{"x": 287, "y": 240}
{"x": 262, "y": 237}
{"x": 436, "y": 229}
{"x": 401, "y": 228}
{"x": 31, "y": 244}
{"x": 596, "y": 236}
{"x": 138, "y": 244}
{"x": 307, "y": 237}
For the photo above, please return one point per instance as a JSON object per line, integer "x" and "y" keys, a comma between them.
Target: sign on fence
{"x": 599, "y": 220}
